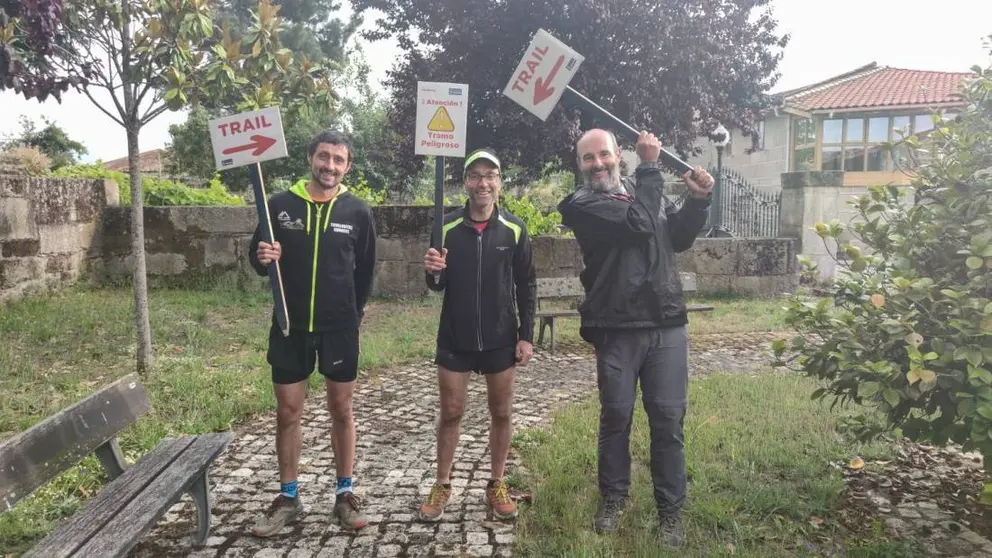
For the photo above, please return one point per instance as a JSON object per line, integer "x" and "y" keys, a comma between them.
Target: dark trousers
{"x": 659, "y": 358}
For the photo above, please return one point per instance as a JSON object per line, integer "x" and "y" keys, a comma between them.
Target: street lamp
{"x": 720, "y": 138}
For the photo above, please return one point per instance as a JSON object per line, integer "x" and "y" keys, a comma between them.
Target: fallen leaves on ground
{"x": 946, "y": 477}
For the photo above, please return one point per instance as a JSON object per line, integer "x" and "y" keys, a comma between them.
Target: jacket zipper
{"x": 478, "y": 292}
{"x": 317, "y": 231}
{"x": 313, "y": 269}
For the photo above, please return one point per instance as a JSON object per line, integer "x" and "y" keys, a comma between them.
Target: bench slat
{"x": 59, "y": 442}
{"x": 74, "y": 531}
{"x": 140, "y": 515}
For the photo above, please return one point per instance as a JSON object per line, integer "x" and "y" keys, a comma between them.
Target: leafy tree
{"x": 50, "y": 140}
{"x": 908, "y": 330}
{"x": 675, "y": 68}
{"x": 246, "y": 72}
{"x": 32, "y": 36}
{"x": 309, "y": 26}
{"x": 109, "y": 43}
{"x": 154, "y": 55}
{"x": 191, "y": 153}
{"x": 308, "y": 29}
{"x": 363, "y": 113}
{"x": 189, "y": 150}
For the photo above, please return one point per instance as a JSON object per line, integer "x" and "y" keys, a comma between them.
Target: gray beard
{"x": 612, "y": 184}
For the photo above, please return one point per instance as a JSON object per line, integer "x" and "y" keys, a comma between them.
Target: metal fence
{"x": 739, "y": 209}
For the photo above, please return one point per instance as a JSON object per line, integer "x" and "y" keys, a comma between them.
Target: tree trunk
{"x": 142, "y": 323}
{"x": 132, "y": 124}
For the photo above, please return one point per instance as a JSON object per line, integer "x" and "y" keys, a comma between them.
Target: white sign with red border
{"x": 543, "y": 74}
{"x": 442, "y": 119}
{"x": 247, "y": 138}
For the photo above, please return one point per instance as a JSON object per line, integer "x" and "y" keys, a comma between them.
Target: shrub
{"x": 26, "y": 160}
{"x": 97, "y": 171}
{"x": 167, "y": 192}
{"x": 908, "y": 329}
{"x": 538, "y": 222}
{"x": 156, "y": 191}
{"x": 359, "y": 186}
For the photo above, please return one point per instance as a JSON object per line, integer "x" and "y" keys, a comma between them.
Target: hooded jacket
{"x": 328, "y": 257}
{"x": 628, "y": 240}
{"x": 489, "y": 281}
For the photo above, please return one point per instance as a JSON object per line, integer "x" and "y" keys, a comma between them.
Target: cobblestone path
{"x": 396, "y": 412}
{"x": 395, "y": 467}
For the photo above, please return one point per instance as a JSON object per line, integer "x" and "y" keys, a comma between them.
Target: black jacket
{"x": 328, "y": 257}
{"x": 489, "y": 280}
{"x": 628, "y": 247}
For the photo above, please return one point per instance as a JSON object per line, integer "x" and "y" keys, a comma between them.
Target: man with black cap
{"x": 485, "y": 270}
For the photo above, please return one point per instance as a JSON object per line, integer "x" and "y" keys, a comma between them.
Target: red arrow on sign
{"x": 541, "y": 88}
{"x": 259, "y": 143}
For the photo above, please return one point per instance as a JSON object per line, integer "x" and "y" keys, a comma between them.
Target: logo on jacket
{"x": 343, "y": 228}
{"x": 286, "y": 222}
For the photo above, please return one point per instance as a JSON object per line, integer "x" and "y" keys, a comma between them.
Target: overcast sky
{"x": 838, "y": 36}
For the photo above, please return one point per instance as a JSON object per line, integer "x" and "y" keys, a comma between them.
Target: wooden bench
{"x": 570, "y": 289}
{"x": 112, "y": 522}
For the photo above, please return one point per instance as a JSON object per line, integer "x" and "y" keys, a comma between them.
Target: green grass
{"x": 758, "y": 453}
{"x": 733, "y": 314}
{"x": 209, "y": 372}
{"x": 730, "y": 314}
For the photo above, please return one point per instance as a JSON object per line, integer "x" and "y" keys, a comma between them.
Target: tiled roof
{"x": 151, "y": 161}
{"x": 873, "y": 86}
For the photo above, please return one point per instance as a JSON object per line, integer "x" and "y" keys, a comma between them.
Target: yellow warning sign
{"x": 441, "y": 121}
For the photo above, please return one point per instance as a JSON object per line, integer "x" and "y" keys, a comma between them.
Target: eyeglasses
{"x": 489, "y": 176}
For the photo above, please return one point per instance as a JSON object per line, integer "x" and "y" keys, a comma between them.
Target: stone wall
{"x": 807, "y": 198}
{"x": 760, "y": 267}
{"x": 48, "y": 230}
{"x": 194, "y": 245}
{"x": 52, "y": 231}
{"x": 819, "y": 196}
{"x": 201, "y": 245}
{"x": 206, "y": 244}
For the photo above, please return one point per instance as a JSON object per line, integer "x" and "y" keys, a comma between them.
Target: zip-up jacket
{"x": 489, "y": 283}
{"x": 628, "y": 241}
{"x": 328, "y": 257}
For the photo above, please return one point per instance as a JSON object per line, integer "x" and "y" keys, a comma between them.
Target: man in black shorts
{"x": 325, "y": 243}
{"x": 488, "y": 279}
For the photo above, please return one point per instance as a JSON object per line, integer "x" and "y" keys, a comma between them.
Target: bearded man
{"x": 634, "y": 314}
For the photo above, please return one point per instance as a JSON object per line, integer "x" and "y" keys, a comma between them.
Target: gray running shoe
{"x": 348, "y": 509}
{"x": 282, "y": 512}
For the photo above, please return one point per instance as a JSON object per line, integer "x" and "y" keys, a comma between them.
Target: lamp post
{"x": 720, "y": 138}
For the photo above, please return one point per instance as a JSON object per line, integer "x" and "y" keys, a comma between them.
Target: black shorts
{"x": 293, "y": 358}
{"x": 483, "y": 362}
